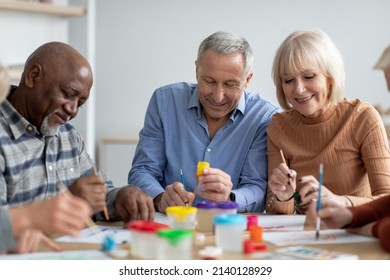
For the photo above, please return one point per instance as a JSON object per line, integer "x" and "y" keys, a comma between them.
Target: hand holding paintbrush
{"x": 89, "y": 222}
{"x": 92, "y": 189}
{"x": 290, "y": 182}
{"x": 182, "y": 181}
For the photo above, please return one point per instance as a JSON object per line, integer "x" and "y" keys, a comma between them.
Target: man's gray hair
{"x": 227, "y": 43}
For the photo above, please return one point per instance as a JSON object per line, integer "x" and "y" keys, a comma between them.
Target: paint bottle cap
{"x": 205, "y": 205}
{"x": 202, "y": 165}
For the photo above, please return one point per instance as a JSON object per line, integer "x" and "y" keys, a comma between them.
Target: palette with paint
{"x": 310, "y": 253}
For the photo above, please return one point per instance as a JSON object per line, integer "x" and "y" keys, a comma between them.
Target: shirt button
{"x": 50, "y": 167}
{"x": 29, "y": 128}
{"x": 208, "y": 150}
{"x": 71, "y": 169}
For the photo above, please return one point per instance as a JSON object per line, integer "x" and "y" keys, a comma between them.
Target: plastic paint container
{"x": 144, "y": 239}
{"x": 174, "y": 244}
{"x": 252, "y": 220}
{"x": 227, "y": 207}
{"x": 249, "y": 247}
{"x": 229, "y": 230}
{"x": 256, "y": 233}
{"x": 205, "y": 216}
{"x": 181, "y": 217}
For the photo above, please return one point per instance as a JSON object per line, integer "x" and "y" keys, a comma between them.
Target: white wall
{"x": 22, "y": 32}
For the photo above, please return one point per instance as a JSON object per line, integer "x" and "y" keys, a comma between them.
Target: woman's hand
{"x": 308, "y": 191}
{"x": 332, "y": 215}
{"x": 282, "y": 182}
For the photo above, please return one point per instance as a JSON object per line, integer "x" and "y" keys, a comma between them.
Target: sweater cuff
{"x": 277, "y": 207}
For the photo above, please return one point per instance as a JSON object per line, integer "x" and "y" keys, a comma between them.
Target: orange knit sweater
{"x": 349, "y": 139}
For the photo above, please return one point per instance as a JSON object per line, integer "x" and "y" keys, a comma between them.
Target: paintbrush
{"x": 284, "y": 161}
{"x": 105, "y": 207}
{"x": 318, "y": 224}
{"x": 182, "y": 181}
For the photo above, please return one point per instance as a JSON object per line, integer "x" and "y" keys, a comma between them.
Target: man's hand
{"x": 133, "y": 204}
{"x": 92, "y": 189}
{"x": 215, "y": 184}
{"x": 174, "y": 195}
{"x": 61, "y": 214}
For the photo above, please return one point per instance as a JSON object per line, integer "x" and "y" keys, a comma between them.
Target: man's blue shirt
{"x": 175, "y": 136}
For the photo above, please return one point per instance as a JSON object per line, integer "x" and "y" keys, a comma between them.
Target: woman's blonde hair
{"x": 314, "y": 49}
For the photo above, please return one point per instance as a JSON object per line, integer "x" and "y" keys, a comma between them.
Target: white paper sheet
{"x": 281, "y": 222}
{"x": 119, "y": 234}
{"x": 65, "y": 255}
{"x": 333, "y": 236}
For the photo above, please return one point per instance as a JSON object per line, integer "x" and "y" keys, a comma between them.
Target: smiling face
{"x": 61, "y": 98}
{"x": 58, "y": 83}
{"x": 221, "y": 82}
{"x": 307, "y": 92}
{"x": 308, "y": 72}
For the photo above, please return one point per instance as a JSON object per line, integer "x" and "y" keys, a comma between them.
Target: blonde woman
{"x": 319, "y": 126}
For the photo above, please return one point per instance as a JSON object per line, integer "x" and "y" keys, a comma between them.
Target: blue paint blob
{"x": 108, "y": 244}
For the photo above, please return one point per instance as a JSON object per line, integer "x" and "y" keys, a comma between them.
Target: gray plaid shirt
{"x": 31, "y": 165}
